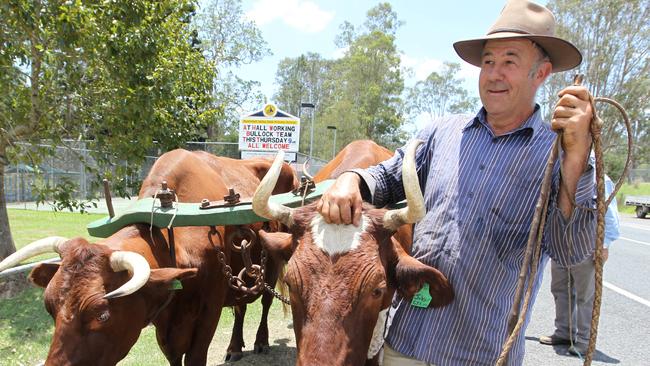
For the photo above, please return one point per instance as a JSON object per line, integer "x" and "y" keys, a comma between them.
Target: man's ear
{"x": 410, "y": 275}
{"x": 43, "y": 273}
{"x": 278, "y": 244}
{"x": 165, "y": 276}
{"x": 543, "y": 72}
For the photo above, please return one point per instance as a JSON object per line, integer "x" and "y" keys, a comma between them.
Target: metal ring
{"x": 255, "y": 269}
{"x": 245, "y": 233}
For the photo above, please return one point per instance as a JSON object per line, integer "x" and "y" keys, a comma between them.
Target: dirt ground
{"x": 281, "y": 339}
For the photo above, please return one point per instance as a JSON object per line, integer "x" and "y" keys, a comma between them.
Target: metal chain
{"x": 277, "y": 295}
{"x": 237, "y": 282}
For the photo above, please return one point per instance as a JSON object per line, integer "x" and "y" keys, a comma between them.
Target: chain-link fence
{"x": 640, "y": 175}
{"x": 66, "y": 164}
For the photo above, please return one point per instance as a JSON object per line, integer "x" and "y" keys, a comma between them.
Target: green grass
{"x": 29, "y": 225}
{"x": 637, "y": 189}
{"x": 25, "y": 328}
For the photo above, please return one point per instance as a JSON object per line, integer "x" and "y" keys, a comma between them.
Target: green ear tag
{"x": 176, "y": 285}
{"x": 422, "y": 298}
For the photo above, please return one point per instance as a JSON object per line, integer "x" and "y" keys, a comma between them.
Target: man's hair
{"x": 542, "y": 57}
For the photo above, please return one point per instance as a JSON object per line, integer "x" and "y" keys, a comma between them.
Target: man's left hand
{"x": 572, "y": 117}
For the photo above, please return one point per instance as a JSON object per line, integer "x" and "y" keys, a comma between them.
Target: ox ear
{"x": 165, "y": 276}
{"x": 410, "y": 275}
{"x": 279, "y": 244}
{"x": 43, "y": 273}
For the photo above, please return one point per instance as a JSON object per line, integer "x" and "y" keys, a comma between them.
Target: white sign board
{"x": 269, "y": 130}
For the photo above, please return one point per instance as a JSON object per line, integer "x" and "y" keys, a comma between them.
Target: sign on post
{"x": 269, "y": 130}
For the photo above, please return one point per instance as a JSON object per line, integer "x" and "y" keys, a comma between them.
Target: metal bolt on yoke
{"x": 165, "y": 195}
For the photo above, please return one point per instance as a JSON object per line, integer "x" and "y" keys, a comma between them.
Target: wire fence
{"x": 67, "y": 164}
{"x": 639, "y": 175}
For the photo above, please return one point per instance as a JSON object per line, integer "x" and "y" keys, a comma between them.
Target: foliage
{"x": 119, "y": 74}
{"x": 359, "y": 94}
{"x": 63, "y": 197}
{"x": 614, "y": 38}
{"x": 229, "y": 41}
{"x": 440, "y": 94}
{"x": 232, "y": 96}
{"x": 366, "y": 84}
{"x": 302, "y": 79}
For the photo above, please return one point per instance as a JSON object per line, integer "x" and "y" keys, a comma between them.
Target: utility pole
{"x": 334, "y": 144}
{"x": 311, "y": 130}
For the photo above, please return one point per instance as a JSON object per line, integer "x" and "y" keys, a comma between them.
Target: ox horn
{"x": 414, "y": 210}
{"x": 41, "y": 246}
{"x": 261, "y": 204}
{"x": 137, "y": 266}
{"x": 305, "y": 172}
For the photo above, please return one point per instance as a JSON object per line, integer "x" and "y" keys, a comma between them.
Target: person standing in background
{"x": 573, "y": 290}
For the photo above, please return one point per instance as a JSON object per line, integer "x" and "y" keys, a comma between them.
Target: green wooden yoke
{"x": 190, "y": 214}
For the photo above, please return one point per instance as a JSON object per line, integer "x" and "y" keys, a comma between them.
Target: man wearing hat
{"x": 481, "y": 178}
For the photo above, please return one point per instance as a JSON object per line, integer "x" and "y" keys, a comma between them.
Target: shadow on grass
{"x": 25, "y": 327}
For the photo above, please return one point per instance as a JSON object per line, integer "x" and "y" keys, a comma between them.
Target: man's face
{"x": 506, "y": 86}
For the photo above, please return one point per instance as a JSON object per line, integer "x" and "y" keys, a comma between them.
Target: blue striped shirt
{"x": 480, "y": 192}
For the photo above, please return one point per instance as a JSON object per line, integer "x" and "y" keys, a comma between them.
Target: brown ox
{"x": 99, "y": 308}
{"x": 359, "y": 154}
{"x": 342, "y": 277}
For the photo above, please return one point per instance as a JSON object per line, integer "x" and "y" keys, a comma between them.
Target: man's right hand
{"x": 341, "y": 203}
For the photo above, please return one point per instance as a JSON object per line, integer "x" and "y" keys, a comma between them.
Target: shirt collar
{"x": 532, "y": 124}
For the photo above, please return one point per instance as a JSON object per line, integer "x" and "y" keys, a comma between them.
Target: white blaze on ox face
{"x": 337, "y": 239}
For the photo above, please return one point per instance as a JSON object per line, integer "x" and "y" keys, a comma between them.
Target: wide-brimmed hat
{"x": 524, "y": 19}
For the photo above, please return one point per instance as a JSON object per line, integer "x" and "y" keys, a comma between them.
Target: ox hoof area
{"x": 261, "y": 349}
{"x": 234, "y": 356}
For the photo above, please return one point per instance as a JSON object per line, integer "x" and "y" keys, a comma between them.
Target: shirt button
{"x": 470, "y": 194}
{"x": 481, "y": 167}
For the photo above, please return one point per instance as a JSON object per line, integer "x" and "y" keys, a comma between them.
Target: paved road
{"x": 624, "y": 329}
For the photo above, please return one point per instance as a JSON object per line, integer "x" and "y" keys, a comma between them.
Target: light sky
{"x": 295, "y": 27}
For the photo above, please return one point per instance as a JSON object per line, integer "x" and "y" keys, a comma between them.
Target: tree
{"x": 366, "y": 84}
{"x": 229, "y": 41}
{"x": 302, "y": 79}
{"x": 440, "y": 94}
{"x": 614, "y": 38}
{"x": 123, "y": 75}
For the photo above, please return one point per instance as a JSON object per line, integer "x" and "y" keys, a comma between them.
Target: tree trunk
{"x": 6, "y": 241}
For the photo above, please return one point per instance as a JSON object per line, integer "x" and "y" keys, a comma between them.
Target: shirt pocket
{"x": 515, "y": 206}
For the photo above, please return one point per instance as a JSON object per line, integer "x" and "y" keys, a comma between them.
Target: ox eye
{"x": 104, "y": 316}
{"x": 378, "y": 292}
